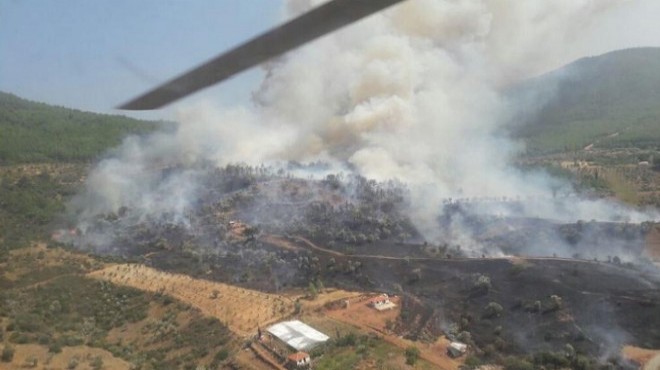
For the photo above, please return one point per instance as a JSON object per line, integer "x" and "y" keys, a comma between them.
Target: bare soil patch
{"x": 327, "y": 297}
{"x": 642, "y": 356}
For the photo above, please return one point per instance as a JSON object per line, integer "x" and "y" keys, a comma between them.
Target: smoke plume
{"x": 413, "y": 94}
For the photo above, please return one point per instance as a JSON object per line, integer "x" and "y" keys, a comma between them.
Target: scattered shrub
{"x": 96, "y": 363}
{"x": 412, "y": 355}
{"x": 515, "y": 363}
{"x": 492, "y": 309}
{"x": 7, "y": 353}
{"x": 472, "y": 361}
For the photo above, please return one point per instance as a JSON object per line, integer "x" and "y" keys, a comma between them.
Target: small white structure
{"x": 297, "y": 335}
{"x": 456, "y": 349}
{"x": 381, "y": 302}
{"x": 299, "y": 359}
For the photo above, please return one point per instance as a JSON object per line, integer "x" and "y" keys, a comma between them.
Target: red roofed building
{"x": 299, "y": 359}
{"x": 381, "y": 302}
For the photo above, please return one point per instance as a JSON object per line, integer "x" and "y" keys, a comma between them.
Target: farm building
{"x": 297, "y": 335}
{"x": 299, "y": 360}
{"x": 456, "y": 349}
{"x": 381, "y": 302}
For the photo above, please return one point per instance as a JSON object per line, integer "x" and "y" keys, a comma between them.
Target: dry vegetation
{"x": 360, "y": 315}
{"x": 367, "y": 350}
{"x": 242, "y": 310}
{"x": 247, "y": 359}
{"x": 328, "y": 296}
{"x": 64, "y": 173}
{"x": 84, "y": 357}
{"x": 37, "y": 264}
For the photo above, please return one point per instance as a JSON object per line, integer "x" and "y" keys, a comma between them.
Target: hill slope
{"x": 612, "y": 99}
{"x": 44, "y": 152}
{"x": 37, "y": 132}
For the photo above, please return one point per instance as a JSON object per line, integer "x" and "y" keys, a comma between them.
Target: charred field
{"x": 532, "y": 286}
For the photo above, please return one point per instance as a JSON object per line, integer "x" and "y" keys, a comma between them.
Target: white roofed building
{"x": 456, "y": 349}
{"x": 381, "y": 302}
{"x": 297, "y": 335}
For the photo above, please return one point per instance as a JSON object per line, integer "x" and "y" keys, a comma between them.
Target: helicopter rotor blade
{"x": 307, "y": 27}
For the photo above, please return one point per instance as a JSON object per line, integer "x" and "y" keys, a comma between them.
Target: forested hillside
{"x": 44, "y": 155}
{"x": 610, "y": 100}
{"x": 36, "y": 132}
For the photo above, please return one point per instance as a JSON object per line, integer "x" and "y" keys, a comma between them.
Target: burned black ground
{"x": 354, "y": 233}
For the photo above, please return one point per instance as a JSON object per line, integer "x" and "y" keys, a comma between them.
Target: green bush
{"x": 516, "y": 363}
{"x": 222, "y": 355}
{"x": 493, "y": 309}
{"x": 7, "y": 353}
{"x": 412, "y": 355}
{"x": 347, "y": 340}
{"x": 472, "y": 361}
{"x": 55, "y": 347}
{"x": 97, "y": 363}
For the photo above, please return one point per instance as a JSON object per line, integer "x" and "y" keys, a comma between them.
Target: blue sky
{"x": 93, "y": 55}
{"x": 96, "y": 54}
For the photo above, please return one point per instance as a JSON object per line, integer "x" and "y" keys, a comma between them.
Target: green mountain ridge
{"x": 37, "y": 132}
{"x": 611, "y": 100}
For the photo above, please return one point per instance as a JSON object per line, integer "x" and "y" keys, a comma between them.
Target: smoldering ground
{"x": 412, "y": 94}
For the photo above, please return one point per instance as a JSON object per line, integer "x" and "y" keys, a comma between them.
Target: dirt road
{"x": 286, "y": 243}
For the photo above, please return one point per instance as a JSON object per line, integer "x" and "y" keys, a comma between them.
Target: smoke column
{"x": 413, "y": 93}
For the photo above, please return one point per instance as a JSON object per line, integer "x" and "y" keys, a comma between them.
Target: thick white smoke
{"x": 412, "y": 93}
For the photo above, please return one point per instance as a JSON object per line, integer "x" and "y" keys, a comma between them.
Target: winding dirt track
{"x": 298, "y": 242}
{"x": 284, "y": 242}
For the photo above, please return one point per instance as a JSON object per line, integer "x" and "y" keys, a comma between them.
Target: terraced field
{"x": 243, "y": 310}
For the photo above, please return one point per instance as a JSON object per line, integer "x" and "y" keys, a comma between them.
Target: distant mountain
{"x": 612, "y": 100}
{"x": 38, "y": 132}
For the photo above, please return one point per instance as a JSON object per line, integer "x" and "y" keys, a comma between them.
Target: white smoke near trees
{"x": 412, "y": 93}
